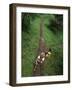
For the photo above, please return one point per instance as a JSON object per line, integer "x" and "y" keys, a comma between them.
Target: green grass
{"x": 30, "y": 43}
{"x": 54, "y": 64}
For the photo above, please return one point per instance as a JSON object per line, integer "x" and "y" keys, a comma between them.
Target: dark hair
{"x": 50, "y": 49}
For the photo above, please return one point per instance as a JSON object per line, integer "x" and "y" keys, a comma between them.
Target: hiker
{"x": 41, "y": 58}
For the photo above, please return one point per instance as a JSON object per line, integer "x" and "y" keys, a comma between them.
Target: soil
{"x": 38, "y": 68}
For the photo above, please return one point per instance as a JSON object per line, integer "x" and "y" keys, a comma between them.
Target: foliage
{"x": 53, "y": 36}
{"x": 56, "y": 24}
{"x": 27, "y": 19}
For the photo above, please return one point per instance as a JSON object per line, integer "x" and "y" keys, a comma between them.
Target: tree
{"x": 56, "y": 24}
{"x": 27, "y": 19}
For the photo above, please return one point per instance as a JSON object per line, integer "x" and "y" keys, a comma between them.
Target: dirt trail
{"x": 38, "y": 67}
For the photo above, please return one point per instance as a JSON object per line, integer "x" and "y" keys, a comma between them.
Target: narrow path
{"x": 42, "y": 50}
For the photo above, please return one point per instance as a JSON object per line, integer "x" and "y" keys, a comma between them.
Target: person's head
{"x": 48, "y": 52}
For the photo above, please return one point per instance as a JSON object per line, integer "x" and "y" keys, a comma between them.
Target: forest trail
{"x": 42, "y": 50}
{"x": 42, "y": 34}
